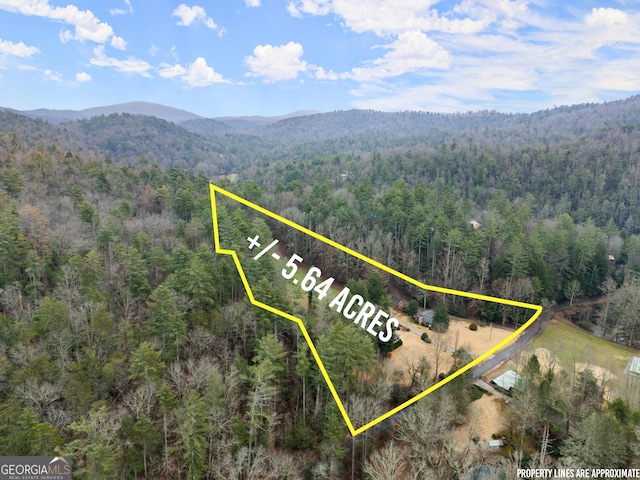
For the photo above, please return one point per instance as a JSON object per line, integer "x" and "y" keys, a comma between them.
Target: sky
{"x": 273, "y": 57}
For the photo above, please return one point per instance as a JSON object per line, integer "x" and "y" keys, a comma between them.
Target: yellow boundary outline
{"x": 214, "y": 213}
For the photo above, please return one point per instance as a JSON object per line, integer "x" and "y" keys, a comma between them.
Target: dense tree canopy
{"x": 128, "y": 344}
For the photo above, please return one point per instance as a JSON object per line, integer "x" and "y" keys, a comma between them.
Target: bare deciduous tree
{"x": 38, "y": 394}
{"x": 387, "y": 464}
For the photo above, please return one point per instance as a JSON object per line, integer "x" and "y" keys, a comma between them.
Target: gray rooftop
{"x": 635, "y": 365}
{"x": 507, "y": 380}
{"x": 427, "y": 315}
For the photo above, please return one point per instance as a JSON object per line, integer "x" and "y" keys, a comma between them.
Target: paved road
{"x": 487, "y": 387}
{"x": 488, "y": 364}
{"x": 523, "y": 340}
{"x": 529, "y": 334}
{"x": 502, "y": 355}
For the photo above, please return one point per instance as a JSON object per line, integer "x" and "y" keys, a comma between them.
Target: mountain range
{"x": 170, "y": 114}
{"x": 172, "y": 137}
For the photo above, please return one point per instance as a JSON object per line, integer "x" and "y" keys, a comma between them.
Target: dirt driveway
{"x": 485, "y": 418}
{"x": 458, "y": 336}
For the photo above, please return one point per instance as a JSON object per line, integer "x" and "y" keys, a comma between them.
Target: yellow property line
{"x": 537, "y": 308}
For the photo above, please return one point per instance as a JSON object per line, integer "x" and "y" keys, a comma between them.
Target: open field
{"x": 570, "y": 345}
{"x": 458, "y": 336}
{"x": 485, "y": 418}
{"x": 562, "y": 346}
{"x": 565, "y": 346}
{"x": 411, "y": 351}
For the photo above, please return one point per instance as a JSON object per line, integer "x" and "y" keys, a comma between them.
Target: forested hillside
{"x": 225, "y": 146}
{"x": 128, "y": 344}
{"x": 132, "y": 108}
{"x": 391, "y": 128}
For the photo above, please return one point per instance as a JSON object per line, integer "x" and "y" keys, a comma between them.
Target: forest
{"x": 129, "y": 345}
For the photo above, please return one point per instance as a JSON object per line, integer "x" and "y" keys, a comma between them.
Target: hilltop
{"x": 172, "y": 137}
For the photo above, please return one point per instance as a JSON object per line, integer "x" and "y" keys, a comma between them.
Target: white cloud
{"x": 199, "y": 74}
{"x": 607, "y": 26}
{"x": 120, "y": 11}
{"x": 477, "y": 54}
{"x": 310, "y": 7}
{"x": 19, "y": 49}
{"x": 196, "y": 74}
{"x": 550, "y": 73}
{"x": 508, "y": 15}
{"x": 276, "y": 63}
{"x": 118, "y": 42}
{"x": 153, "y": 50}
{"x": 445, "y": 92}
{"x": 322, "y": 74}
{"x": 188, "y": 15}
{"x": 170, "y": 71}
{"x": 65, "y": 36}
{"x": 622, "y": 75}
{"x": 86, "y": 24}
{"x": 387, "y": 17}
{"x": 50, "y": 74}
{"x": 411, "y": 52}
{"x": 606, "y": 17}
{"x": 55, "y": 76}
{"x": 433, "y": 98}
{"x": 253, "y": 3}
{"x": 130, "y": 65}
{"x": 83, "y": 77}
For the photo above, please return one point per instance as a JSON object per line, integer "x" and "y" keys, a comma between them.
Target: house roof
{"x": 507, "y": 380}
{"x": 400, "y": 302}
{"x": 635, "y": 365}
{"x": 427, "y": 315}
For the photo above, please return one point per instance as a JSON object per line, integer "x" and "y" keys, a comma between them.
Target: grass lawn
{"x": 570, "y": 344}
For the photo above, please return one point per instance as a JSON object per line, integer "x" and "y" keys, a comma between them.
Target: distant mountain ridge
{"x": 170, "y": 114}
{"x": 230, "y": 144}
{"x": 252, "y": 121}
{"x": 163, "y": 112}
{"x": 372, "y": 128}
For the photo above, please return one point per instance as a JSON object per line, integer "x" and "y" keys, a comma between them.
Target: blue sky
{"x": 272, "y": 57}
